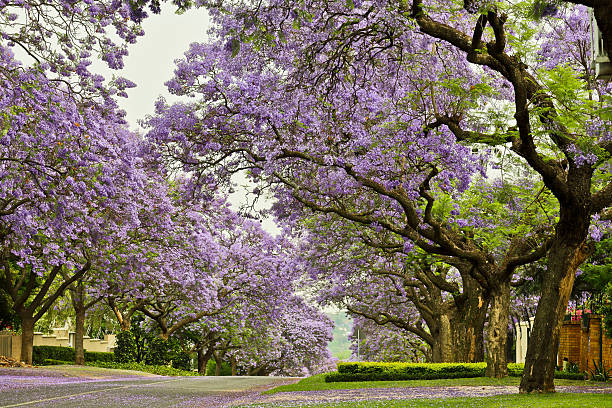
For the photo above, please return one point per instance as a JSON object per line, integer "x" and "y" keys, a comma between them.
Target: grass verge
{"x": 560, "y": 400}
{"x": 317, "y": 382}
{"x": 151, "y": 369}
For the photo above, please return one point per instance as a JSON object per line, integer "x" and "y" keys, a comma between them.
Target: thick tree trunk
{"x": 27, "y": 338}
{"x": 497, "y": 333}
{"x": 218, "y": 362}
{"x": 563, "y": 260}
{"x": 468, "y": 324}
{"x": 203, "y": 358}
{"x": 79, "y": 331}
{"x": 445, "y": 339}
{"x": 234, "y": 367}
{"x": 442, "y": 347}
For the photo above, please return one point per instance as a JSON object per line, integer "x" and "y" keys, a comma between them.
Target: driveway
{"x": 71, "y": 386}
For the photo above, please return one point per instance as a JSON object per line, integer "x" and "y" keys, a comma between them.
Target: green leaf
{"x": 235, "y": 47}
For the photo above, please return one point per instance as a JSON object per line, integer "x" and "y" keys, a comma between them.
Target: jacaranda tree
{"x": 367, "y": 108}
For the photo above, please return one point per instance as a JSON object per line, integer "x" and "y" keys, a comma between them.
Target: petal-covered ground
{"x": 305, "y": 398}
{"x": 82, "y": 387}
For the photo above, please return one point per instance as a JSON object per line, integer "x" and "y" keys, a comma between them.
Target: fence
{"x": 6, "y": 345}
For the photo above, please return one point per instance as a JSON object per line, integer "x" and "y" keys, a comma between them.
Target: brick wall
{"x": 579, "y": 343}
{"x": 570, "y": 342}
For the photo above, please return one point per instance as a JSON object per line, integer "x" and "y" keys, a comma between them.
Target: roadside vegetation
{"x": 560, "y": 400}
{"x": 317, "y": 383}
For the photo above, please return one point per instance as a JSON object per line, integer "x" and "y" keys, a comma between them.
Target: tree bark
{"x": 218, "y": 362}
{"x": 27, "y": 337}
{"x": 79, "y": 331}
{"x": 77, "y": 296}
{"x": 497, "y": 333}
{"x": 564, "y": 259}
{"x": 203, "y": 358}
{"x": 445, "y": 340}
{"x": 234, "y": 367}
{"x": 468, "y": 323}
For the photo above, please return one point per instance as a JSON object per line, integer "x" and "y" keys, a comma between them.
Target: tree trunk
{"x": 27, "y": 338}
{"x": 497, "y": 334}
{"x": 79, "y": 331}
{"x": 203, "y": 360}
{"x": 564, "y": 258}
{"x": 468, "y": 324}
{"x": 218, "y": 362}
{"x": 445, "y": 340}
{"x": 234, "y": 367}
{"x": 442, "y": 347}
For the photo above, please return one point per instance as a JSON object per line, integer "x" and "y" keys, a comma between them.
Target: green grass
{"x": 561, "y": 400}
{"x": 317, "y": 382}
{"x": 151, "y": 369}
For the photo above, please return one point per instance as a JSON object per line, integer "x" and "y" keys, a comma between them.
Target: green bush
{"x": 569, "y": 376}
{"x": 404, "y": 371}
{"x": 226, "y": 369}
{"x": 50, "y": 361}
{"x": 422, "y": 371}
{"x": 516, "y": 370}
{"x": 42, "y": 353}
{"x": 153, "y": 369}
{"x": 99, "y": 356}
{"x": 125, "y": 347}
{"x": 158, "y": 352}
{"x": 181, "y": 360}
{"x": 66, "y": 354}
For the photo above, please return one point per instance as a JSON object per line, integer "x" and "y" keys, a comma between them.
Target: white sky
{"x": 150, "y": 64}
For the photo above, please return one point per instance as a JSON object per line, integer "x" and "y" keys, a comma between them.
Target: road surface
{"x": 83, "y": 387}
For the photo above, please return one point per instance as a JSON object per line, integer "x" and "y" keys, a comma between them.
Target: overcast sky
{"x": 150, "y": 64}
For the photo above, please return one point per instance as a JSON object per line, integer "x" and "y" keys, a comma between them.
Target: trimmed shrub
{"x": 50, "y": 361}
{"x": 65, "y": 354}
{"x": 153, "y": 369}
{"x": 226, "y": 369}
{"x": 181, "y": 360}
{"x": 418, "y": 371}
{"x": 569, "y": 376}
{"x": 99, "y": 356}
{"x": 42, "y": 353}
{"x": 515, "y": 369}
{"x": 404, "y": 371}
{"x": 159, "y": 352}
{"x": 125, "y": 347}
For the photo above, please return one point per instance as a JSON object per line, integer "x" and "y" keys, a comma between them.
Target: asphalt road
{"x": 76, "y": 387}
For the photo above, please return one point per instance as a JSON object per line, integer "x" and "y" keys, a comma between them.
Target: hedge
{"x": 211, "y": 367}
{"x": 99, "y": 356}
{"x": 516, "y": 370}
{"x": 153, "y": 369}
{"x": 58, "y": 353}
{"x": 42, "y": 353}
{"x": 50, "y": 361}
{"x": 404, "y": 371}
{"x": 372, "y": 371}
